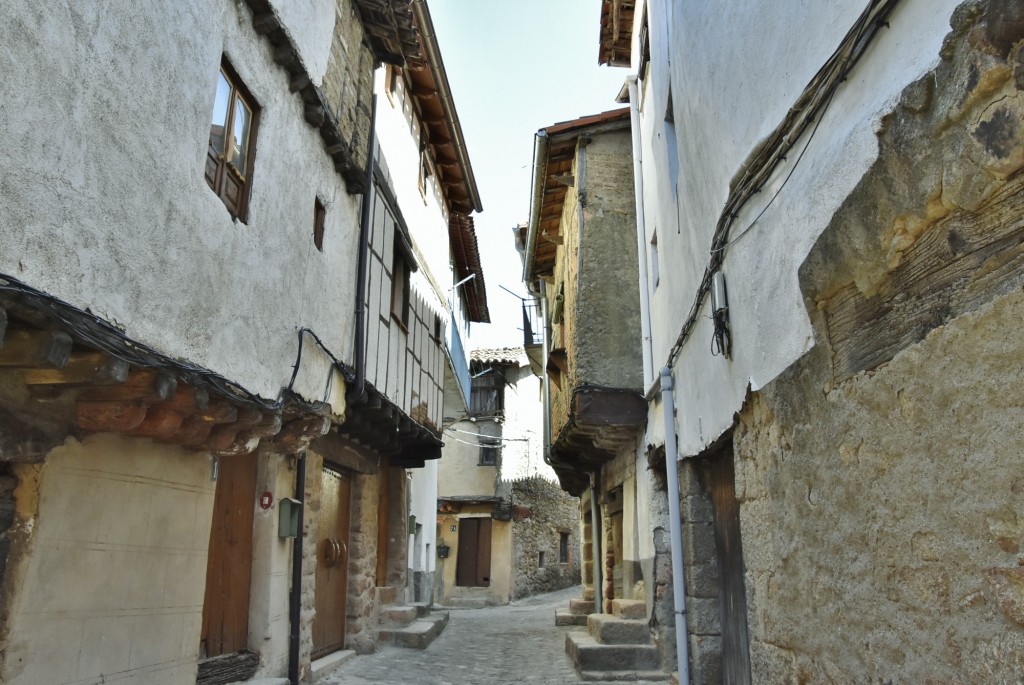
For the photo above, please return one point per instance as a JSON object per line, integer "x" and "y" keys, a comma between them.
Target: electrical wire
{"x": 807, "y": 111}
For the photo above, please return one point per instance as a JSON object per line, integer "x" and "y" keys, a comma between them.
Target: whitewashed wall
{"x": 522, "y": 449}
{"x": 737, "y": 67}
{"x": 104, "y": 204}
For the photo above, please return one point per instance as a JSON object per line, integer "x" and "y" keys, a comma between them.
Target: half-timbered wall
{"x": 405, "y": 361}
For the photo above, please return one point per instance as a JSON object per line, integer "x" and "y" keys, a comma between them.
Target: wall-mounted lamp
{"x": 722, "y": 340}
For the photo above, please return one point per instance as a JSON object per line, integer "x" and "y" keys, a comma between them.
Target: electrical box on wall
{"x": 288, "y": 518}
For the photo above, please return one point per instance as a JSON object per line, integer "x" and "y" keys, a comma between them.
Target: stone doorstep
{"x": 467, "y": 603}
{"x": 422, "y": 608}
{"x": 589, "y": 655}
{"x": 387, "y": 595}
{"x": 416, "y": 635}
{"x": 629, "y": 608}
{"x": 581, "y": 607}
{"x": 612, "y": 630}
{"x": 322, "y": 668}
{"x": 624, "y": 676}
{"x": 399, "y": 615}
{"x": 262, "y": 681}
{"x": 564, "y": 618}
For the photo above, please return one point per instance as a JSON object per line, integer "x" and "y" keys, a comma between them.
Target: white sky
{"x": 516, "y": 66}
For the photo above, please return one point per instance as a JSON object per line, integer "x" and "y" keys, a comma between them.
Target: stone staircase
{"x": 411, "y": 625}
{"x": 579, "y": 609}
{"x": 616, "y": 646}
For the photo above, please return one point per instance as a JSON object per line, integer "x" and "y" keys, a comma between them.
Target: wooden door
{"x": 473, "y": 568}
{"x": 331, "y": 562}
{"x": 229, "y": 563}
{"x": 718, "y": 479}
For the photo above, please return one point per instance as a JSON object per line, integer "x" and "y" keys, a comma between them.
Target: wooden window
{"x": 488, "y": 455}
{"x": 319, "y": 216}
{"x": 229, "y": 160}
{"x": 487, "y": 394}
{"x": 563, "y": 548}
{"x": 400, "y": 289}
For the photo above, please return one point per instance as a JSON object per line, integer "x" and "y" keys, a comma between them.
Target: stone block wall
{"x": 362, "y": 570}
{"x": 548, "y": 512}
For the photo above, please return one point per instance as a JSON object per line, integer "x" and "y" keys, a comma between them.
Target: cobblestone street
{"x": 506, "y": 645}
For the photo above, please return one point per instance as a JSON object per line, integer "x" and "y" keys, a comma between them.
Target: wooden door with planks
{"x": 229, "y": 563}
{"x": 332, "y": 562}
{"x": 473, "y": 567}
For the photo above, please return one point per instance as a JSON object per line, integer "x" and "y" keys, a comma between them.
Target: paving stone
{"x": 506, "y": 645}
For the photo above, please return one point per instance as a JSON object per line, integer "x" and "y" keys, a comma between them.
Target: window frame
{"x": 319, "y": 221}
{"x": 400, "y": 296}
{"x": 222, "y": 166}
{"x": 488, "y": 455}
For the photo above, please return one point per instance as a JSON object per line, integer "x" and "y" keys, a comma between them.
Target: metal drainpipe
{"x": 641, "y": 231}
{"x": 595, "y": 536}
{"x": 675, "y": 528}
{"x": 357, "y": 393}
{"x": 545, "y": 351}
{"x": 295, "y": 596}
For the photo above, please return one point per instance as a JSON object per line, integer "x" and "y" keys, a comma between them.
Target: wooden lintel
{"x": 109, "y": 417}
{"x": 160, "y": 422}
{"x": 346, "y": 453}
{"x": 83, "y": 368}
{"x": 35, "y": 349}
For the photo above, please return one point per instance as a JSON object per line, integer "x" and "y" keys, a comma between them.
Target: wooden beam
{"x": 222, "y": 437}
{"x": 188, "y": 399}
{"x": 196, "y": 429}
{"x": 142, "y": 385}
{"x": 297, "y": 434}
{"x": 160, "y": 422}
{"x": 35, "y": 349}
{"x": 83, "y": 368}
{"x": 109, "y": 417}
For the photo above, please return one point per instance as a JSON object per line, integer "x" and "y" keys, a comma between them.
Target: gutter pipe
{"x": 357, "y": 393}
{"x": 295, "y": 596}
{"x": 675, "y": 527}
{"x": 545, "y": 379}
{"x": 595, "y": 537}
{"x": 641, "y": 230}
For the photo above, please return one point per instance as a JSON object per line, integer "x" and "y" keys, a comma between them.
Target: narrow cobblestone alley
{"x": 505, "y": 645}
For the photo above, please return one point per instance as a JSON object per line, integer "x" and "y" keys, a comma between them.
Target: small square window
{"x": 488, "y": 455}
{"x": 229, "y": 159}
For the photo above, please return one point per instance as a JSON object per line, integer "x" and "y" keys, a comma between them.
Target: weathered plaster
{"x": 745, "y": 64}
{"x": 113, "y": 579}
{"x": 108, "y": 172}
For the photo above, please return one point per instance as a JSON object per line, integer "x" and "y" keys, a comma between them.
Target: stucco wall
{"x": 500, "y": 589}
{"x": 460, "y": 471}
{"x": 737, "y": 68}
{"x": 105, "y": 204}
{"x": 113, "y": 577}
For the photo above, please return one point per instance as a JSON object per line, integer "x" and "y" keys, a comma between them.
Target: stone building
{"x": 205, "y": 456}
{"x": 506, "y": 530}
{"x": 828, "y": 229}
{"x": 580, "y": 259}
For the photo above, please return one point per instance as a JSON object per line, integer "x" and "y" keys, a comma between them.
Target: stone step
{"x": 467, "y": 602}
{"x": 612, "y": 630}
{"x": 399, "y": 614}
{"x": 564, "y": 618}
{"x": 387, "y": 594}
{"x": 581, "y": 606}
{"x": 416, "y": 635}
{"x": 587, "y": 654}
{"x": 422, "y": 608}
{"x": 624, "y": 676}
{"x": 588, "y": 594}
{"x": 325, "y": 666}
{"x": 629, "y": 608}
